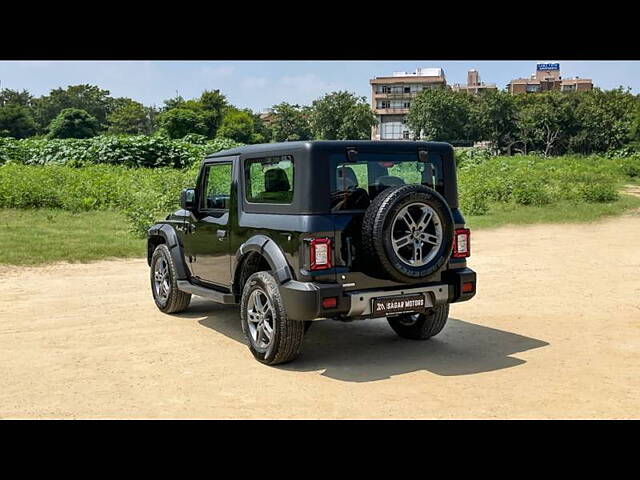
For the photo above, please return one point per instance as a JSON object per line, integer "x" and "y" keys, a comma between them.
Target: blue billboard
{"x": 548, "y": 66}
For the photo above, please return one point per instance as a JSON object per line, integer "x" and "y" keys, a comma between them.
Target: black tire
{"x": 177, "y": 300}
{"x": 420, "y": 326}
{"x": 377, "y": 233}
{"x": 287, "y": 334}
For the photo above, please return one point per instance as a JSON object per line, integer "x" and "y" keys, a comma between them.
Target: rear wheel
{"x": 272, "y": 337}
{"x": 164, "y": 285}
{"x": 420, "y": 326}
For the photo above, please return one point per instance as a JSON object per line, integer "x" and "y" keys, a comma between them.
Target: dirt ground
{"x": 554, "y": 332}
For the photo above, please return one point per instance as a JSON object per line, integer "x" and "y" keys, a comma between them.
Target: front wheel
{"x": 164, "y": 284}
{"x": 420, "y": 326}
{"x": 272, "y": 337}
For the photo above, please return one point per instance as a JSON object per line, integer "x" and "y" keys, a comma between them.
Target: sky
{"x": 260, "y": 84}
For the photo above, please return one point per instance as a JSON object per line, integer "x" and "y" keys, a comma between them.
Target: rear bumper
{"x": 303, "y": 300}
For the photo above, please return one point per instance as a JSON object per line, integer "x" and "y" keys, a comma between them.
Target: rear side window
{"x": 355, "y": 185}
{"x": 269, "y": 179}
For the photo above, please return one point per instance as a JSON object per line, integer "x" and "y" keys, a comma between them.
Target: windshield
{"x": 355, "y": 185}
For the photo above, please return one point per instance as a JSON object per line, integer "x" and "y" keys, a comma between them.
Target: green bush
{"x": 598, "y": 192}
{"x": 131, "y": 151}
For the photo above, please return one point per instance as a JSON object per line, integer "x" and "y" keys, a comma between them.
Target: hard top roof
{"x": 269, "y": 147}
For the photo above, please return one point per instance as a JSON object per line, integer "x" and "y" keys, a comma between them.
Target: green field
{"x": 64, "y": 213}
{"x": 31, "y": 237}
{"x": 38, "y": 236}
{"x": 502, "y": 214}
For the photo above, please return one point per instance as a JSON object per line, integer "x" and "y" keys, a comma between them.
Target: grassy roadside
{"x": 31, "y": 237}
{"x": 501, "y": 214}
{"x": 39, "y": 236}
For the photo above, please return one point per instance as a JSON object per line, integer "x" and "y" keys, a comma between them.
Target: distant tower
{"x": 473, "y": 78}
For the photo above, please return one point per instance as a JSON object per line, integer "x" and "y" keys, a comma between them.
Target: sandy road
{"x": 554, "y": 332}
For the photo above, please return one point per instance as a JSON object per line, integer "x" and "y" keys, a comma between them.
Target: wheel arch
{"x": 256, "y": 253}
{"x": 164, "y": 233}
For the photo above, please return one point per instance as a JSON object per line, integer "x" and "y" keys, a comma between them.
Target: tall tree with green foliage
{"x": 290, "y": 123}
{"x": 16, "y": 121}
{"x": 341, "y": 116}
{"x": 492, "y": 118}
{"x": 440, "y": 114}
{"x": 89, "y": 98}
{"x": 179, "y": 122}
{"x": 129, "y": 118}
{"x": 73, "y": 123}
{"x": 548, "y": 119}
{"x": 14, "y": 97}
{"x": 238, "y": 125}
{"x": 604, "y": 119}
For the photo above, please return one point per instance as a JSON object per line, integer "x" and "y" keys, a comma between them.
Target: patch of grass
{"x": 561, "y": 212}
{"x": 31, "y": 237}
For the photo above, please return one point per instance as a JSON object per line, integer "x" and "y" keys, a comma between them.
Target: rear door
{"x": 354, "y": 185}
{"x": 206, "y": 240}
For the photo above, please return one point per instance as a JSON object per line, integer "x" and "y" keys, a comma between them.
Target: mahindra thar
{"x": 302, "y": 231}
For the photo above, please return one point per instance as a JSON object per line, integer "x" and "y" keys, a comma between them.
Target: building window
{"x": 405, "y": 134}
{"x": 533, "y": 88}
{"x": 406, "y": 105}
{"x": 407, "y": 89}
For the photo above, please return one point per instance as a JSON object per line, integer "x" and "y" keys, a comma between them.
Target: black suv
{"x": 303, "y": 231}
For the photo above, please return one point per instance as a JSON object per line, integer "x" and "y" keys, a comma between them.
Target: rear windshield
{"x": 355, "y": 185}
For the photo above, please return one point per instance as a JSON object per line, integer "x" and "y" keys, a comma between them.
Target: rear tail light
{"x": 462, "y": 243}
{"x": 320, "y": 253}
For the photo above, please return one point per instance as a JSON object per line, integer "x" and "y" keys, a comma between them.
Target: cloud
{"x": 254, "y": 82}
{"x": 309, "y": 83}
{"x": 223, "y": 71}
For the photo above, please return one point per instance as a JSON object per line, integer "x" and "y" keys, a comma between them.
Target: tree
{"x": 73, "y": 123}
{"x": 547, "y": 120}
{"x": 341, "y": 116}
{"x": 238, "y": 125}
{"x": 634, "y": 132}
{"x": 213, "y": 104}
{"x": 440, "y": 114}
{"x": 14, "y": 97}
{"x": 604, "y": 119}
{"x": 16, "y": 121}
{"x": 290, "y": 123}
{"x": 492, "y": 118}
{"x": 178, "y": 122}
{"x": 129, "y": 117}
{"x": 210, "y": 106}
{"x": 89, "y": 98}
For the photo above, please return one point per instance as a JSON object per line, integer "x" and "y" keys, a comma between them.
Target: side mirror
{"x": 187, "y": 198}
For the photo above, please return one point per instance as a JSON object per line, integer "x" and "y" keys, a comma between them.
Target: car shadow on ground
{"x": 364, "y": 351}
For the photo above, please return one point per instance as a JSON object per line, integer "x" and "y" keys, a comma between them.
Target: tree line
{"x": 552, "y": 123}
{"x": 85, "y": 111}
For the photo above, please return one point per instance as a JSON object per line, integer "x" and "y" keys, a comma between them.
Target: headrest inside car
{"x": 346, "y": 179}
{"x": 275, "y": 180}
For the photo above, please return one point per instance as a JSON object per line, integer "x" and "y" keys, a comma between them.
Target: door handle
{"x": 221, "y": 234}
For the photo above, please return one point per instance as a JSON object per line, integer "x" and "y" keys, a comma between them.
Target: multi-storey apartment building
{"x": 547, "y": 77}
{"x": 474, "y": 85}
{"x": 391, "y": 99}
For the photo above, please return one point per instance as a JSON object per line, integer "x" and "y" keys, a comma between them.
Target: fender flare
{"x": 270, "y": 250}
{"x": 170, "y": 238}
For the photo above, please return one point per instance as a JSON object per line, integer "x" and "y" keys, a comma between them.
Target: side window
{"x": 269, "y": 179}
{"x": 217, "y": 186}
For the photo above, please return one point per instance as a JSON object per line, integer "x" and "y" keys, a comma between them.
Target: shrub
{"x": 598, "y": 192}
{"x": 73, "y": 123}
{"x": 133, "y": 151}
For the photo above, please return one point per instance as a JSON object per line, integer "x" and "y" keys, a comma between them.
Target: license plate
{"x": 398, "y": 304}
